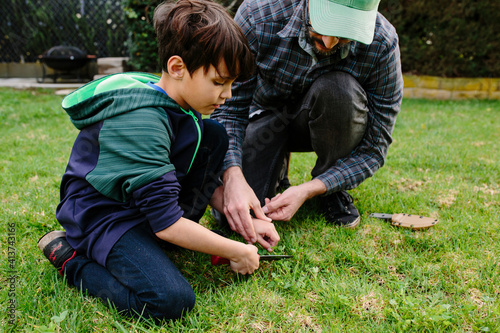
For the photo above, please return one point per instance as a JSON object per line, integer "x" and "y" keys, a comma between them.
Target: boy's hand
{"x": 247, "y": 261}
{"x": 267, "y": 236}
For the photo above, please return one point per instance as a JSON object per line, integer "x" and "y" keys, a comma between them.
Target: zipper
{"x": 199, "y": 135}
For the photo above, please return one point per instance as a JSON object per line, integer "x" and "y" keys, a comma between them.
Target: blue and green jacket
{"x": 134, "y": 147}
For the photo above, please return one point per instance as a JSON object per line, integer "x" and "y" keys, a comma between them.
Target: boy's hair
{"x": 202, "y": 33}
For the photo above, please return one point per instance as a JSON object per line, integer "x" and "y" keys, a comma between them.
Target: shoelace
{"x": 345, "y": 199}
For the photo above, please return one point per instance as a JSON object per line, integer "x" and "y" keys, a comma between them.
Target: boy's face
{"x": 205, "y": 92}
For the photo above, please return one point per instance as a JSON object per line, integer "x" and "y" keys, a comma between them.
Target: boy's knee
{"x": 216, "y": 134}
{"x": 171, "y": 304}
{"x": 213, "y": 128}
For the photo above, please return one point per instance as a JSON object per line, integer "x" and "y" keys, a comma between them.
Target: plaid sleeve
{"x": 384, "y": 89}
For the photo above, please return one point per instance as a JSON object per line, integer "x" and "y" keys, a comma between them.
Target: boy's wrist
{"x": 241, "y": 250}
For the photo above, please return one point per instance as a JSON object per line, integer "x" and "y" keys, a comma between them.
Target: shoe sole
{"x": 49, "y": 237}
{"x": 352, "y": 225}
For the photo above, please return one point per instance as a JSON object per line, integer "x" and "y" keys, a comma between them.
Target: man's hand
{"x": 239, "y": 198}
{"x": 284, "y": 205}
{"x": 267, "y": 236}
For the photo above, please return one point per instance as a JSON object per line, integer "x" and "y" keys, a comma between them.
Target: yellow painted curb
{"x": 433, "y": 87}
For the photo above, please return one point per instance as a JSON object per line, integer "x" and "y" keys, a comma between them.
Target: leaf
{"x": 61, "y": 317}
{"x": 44, "y": 329}
{"x": 487, "y": 298}
{"x": 446, "y": 306}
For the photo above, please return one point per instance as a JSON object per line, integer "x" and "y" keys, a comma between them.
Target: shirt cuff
{"x": 233, "y": 158}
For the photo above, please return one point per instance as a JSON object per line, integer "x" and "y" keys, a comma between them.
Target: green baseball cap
{"x": 351, "y": 19}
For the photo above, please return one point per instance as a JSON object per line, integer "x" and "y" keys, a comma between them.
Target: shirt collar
{"x": 292, "y": 29}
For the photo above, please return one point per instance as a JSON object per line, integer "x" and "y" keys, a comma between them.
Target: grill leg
{"x": 40, "y": 80}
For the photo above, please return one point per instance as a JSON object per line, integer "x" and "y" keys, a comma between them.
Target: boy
{"x": 145, "y": 165}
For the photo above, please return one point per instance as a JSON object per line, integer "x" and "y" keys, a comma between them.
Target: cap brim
{"x": 331, "y": 19}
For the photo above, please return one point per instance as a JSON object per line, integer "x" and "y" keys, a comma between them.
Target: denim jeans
{"x": 139, "y": 278}
{"x": 330, "y": 119}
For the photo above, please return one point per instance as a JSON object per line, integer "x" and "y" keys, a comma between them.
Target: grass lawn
{"x": 444, "y": 163}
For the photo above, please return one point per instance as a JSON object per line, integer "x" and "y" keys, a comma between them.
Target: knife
{"x": 216, "y": 260}
{"x": 408, "y": 221}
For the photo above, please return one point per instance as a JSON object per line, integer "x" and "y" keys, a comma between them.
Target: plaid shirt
{"x": 285, "y": 71}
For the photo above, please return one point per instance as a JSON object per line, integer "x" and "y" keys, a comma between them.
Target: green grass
{"x": 444, "y": 163}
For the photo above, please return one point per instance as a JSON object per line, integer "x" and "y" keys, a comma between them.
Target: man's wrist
{"x": 314, "y": 188}
{"x": 231, "y": 172}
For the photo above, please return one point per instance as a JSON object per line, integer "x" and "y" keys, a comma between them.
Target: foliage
{"x": 443, "y": 163}
{"x": 141, "y": 35}
{"x": 451, "y": 38}
{"x": 441, "y": 38}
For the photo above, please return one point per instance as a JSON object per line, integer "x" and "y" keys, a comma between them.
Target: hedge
{"x": 449, "y": 38}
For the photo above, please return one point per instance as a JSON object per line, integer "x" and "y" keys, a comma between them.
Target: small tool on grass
{"x": 216, "y": 260}
{"x": 408, "y": 221}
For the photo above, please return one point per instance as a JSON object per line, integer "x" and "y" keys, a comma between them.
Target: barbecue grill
{"x": 66, "y": 61}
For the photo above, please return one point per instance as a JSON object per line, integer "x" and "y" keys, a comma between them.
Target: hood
{"x": 113, "y": 95}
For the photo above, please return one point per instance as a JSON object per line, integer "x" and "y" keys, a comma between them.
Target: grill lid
{"x": 64, "y": 52}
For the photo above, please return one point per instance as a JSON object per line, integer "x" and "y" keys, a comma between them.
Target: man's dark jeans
{"x": 139, "y": 278}
{"x": 330, "y": 119}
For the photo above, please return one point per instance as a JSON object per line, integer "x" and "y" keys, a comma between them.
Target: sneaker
{"x": 338, "y": 208}
{"x": 57, "y": 249}
{"x": 220, "y": 233}
{"x": 223, "y": 227}
{"x": 219, "y": 218}
{"x": 283, "y": 182}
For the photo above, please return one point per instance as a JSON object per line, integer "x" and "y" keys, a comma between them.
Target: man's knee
{"x": 338, "y": 86}
{"x": 337, "y": 115}
{"x": 339, "y": 99}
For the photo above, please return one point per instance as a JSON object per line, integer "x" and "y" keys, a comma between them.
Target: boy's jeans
{"x": 139, "y": 278}
{"x": 330, "y": 119}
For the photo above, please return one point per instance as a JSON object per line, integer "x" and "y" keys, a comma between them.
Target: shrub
{"x": 141, "y": 35}
{"x": 452, "y": 38}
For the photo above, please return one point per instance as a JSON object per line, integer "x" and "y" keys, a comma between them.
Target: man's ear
{"x": 176, "y": 67}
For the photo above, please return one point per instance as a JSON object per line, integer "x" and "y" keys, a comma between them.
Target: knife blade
{"x": 408, "y": 221}
{"x": 216, "y": 260}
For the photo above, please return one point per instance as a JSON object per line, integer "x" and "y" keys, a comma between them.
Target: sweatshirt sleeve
{"x": 158, "y": 201}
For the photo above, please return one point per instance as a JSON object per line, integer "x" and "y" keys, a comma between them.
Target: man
{"x": 328, "y": 80}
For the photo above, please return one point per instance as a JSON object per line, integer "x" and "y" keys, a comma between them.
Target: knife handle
{"x": 216, "y": 260}
{"x": 398, "y": 218}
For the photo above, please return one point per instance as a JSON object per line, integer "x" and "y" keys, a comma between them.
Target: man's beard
{"x": 310, "y": 40}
